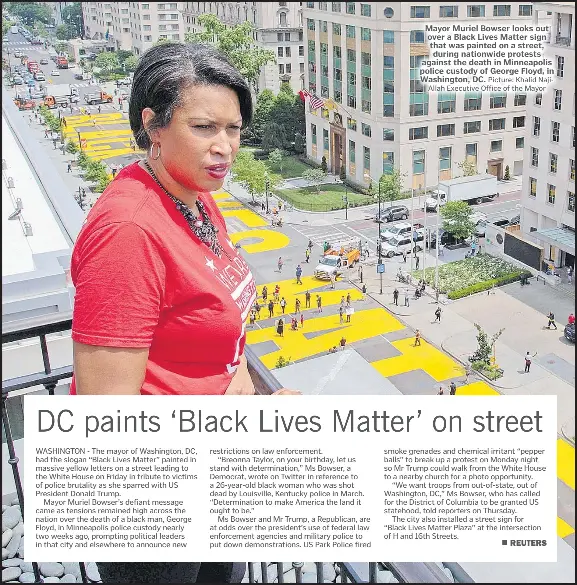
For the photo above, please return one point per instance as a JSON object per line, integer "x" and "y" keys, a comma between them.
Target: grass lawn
{"x": 291, "y": 167}
{"x": 330, "y": 197}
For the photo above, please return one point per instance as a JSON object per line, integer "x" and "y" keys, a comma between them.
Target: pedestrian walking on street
{"x": 64, "y": 122}
{"x": 342, "y": 342}
{"x": 441, "y": 391}
{"x": 307, "y": 300}
{"x": 407, "y": 298}
{"x": 99, "y": 109}
{"x": 302, "y": 320}
{"x": 319, "y": 304}
{"x": 333, "y": 279}
{"x": 46, "y": 133}
{"x": 360, "y": 273}
{"x": 270, "y": 309}
{"x": 280, "y": 263}
{"x": 404, "y": 256}
{"x": 417, "y": 260}
{"x": 453, "y": 389}
{"x": 83, "y": 192}
{"x": 297, "y": 306}
{"x": 307, "y": 255}
{"x": 570, "y": 274}
{"x": 264, "y": 293}
{"x": 257, "y": 308}
{"x": 438, "y": 315}
{"x": 348, "y": 312}
{"x": 528, "y": 358}
{"x": 283, "y": 304}
{"x": 299, "y": 272}
{"x": 276, "y": 293}
{"x": 341, "y": 315}
{"x": 417, "y": 338}
{"x": 349, "y": 299}
{"x": 69, "y": 167}
{"x": 280, "y": 327}
{"x": 396, "y": 296}
{"x": 252, "y": 318}
{"x": 551, "y": 318}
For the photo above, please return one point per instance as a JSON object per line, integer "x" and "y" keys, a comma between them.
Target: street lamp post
{"x": 379, "y": 243}
{"x": 438, "y": 243}
{"x": 346, "y": 201}
{"x": 266, "y": 186}
{"x": 79, "y": 140}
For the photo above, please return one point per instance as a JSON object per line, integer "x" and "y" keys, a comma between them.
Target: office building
{"x": 548, "y": 196}
{"x": 365, "y": 56}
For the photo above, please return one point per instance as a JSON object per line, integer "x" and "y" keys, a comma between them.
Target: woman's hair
{"x": 165, "y": 71}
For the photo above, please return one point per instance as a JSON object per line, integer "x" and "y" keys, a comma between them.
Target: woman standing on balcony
{"x": 162, "y": 295}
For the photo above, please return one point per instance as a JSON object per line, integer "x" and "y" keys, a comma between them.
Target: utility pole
{"x": 346, "y": 201}
{"x": 426, "y": 240}
{"x": 438, "y": 243}
{"x": 413, "y": 251}
{"x": 379, "y": 243}
{"x": 266, "y": 186}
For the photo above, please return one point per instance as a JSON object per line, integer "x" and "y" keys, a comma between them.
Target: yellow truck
{"x": 335, "y": 260}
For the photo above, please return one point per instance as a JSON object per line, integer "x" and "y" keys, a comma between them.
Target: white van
{"x": 400, "y": 230}
{"x": 397, "y": 246}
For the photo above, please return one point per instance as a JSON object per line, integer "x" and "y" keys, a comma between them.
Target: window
{"x": 498, "y": 100}
{"x": 445, "y": 130}
{"x": 472, "y": 101}
{"x": 366, "y": 59}
{"x": 501, "y": 10}
{"x": 324, "y": 26}
{"x": 520, "y": 99}
{"x": 420, "y": 12}
{"x": 365, "y": 82}
{"x": 336, "y": 7}
{"x": 551, "y": 193}
{"x": 279, "y": 36}
{"x": 571, "y": 201}
{"x": 146, "y": 27}
{"x": 534, "y": 157}
{"x": 311, "y": 24}
{"x": 417, "y": 36}
{"x": 555, "y": 128}
{"x": 365, "y": 9}
{"x": 350, "y": 31}
{"x": 146, "y": 17}
{"x": 520, "y": 142}
{"x": 557, "y": 99}
{"x": 560, "y": 66}
{"x": 446, "y": 103}
{"x": 532, "y": 187}
{"x": 314, "y": 133}
{"x": 571, "y": 169}
{"x": 352, "y": 78}
{"x": 538, "y": 99}
{"x": 572, "y": 136}
{"x": 388, "y": 134}
{"x": 287, "y": 36}
{"x": 301, "y": 51}
{"x": 366, "y": 158}
{"x": 351, "y": 124}
{"x": 519, "y": 122}
{"x": 281, "y": 69}
{"x": 310, "y": 4}
{"x": 325, "y": 139}
{"x": 350, "y": 7}
{"x": 496, "y": 145}
{"x": 388, "y": 37}
{"x": 471, "y": 153}
{"x": 337, "y": 52}
{"x": 552, "y": 163}
{"x": 351, "y": 55}
{"x": 525, "y": 10}
{"x": 388, "y": 162}
{"x": 289, "y": 68}
{"x": 444, "y": 158}
{"x": 365, "y": 34}
{"x": 301, "y": 67}
{"x": 366, "y": 106}
{"x": 476, "y": 11}
{"x": 388, "y": 86}
{"x": 148, "y": 38}
{"x": 338, "y": 74}
{"x": 301, "y": 34}
{"x": 323, "y": 6}
{"x": 448, "y": 11}
{"x": 536, "y": 126}
{"x": 418, "y": 162}
{"x": 419, "y": 133}
{"x": 497, "y": 124}
{"x": 472, "y": 127}
{"x": 336, "y": 29}
{"x": 365, "y": 130}
{"x": 279, "y": 51}
{"x": 287, "y": 51}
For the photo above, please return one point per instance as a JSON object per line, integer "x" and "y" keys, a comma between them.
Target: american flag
{"x": 314, "y": 101}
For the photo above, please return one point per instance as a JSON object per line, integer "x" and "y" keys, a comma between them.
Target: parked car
{"x": 397, "y": 246}
{"x": 124, "y": 81}
{"x": 402, "y": 229}
{"x": 37, "y": 94}
{"x": 80, "y": 76}
{"x": 44, "y": 61}
{"x": 39, "y": 76}
{"x": 393, "y": 213}
{"x": 18, "y": 54}
{"x": 569, "y": 332}
{"x": 18, "y": 81}
{"x": 54, "y": 72}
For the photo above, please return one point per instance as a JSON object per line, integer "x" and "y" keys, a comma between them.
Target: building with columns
{"x": 365, "y": 56}
{"x": 548, "y": 196}
{"x": 279, "y": 27}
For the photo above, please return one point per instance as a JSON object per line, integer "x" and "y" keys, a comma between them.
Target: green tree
{"x": 392, "y": 185}
{"x": 343, "y": 173}
{"x": 275, "y": 137}
{"x": 6, "y": 24}
{"x": 61, "y": 47}
{"x": 41, "y": 30}
{"x": 468, "y": 167}
{"x": 161, "y": 41}
{"x": 130, "y": 63}
{"x": 29, "y": 12}
{"x": 324, "y": 165}
{"x": 315, "y": 176}
{"x": 236, "y": 42}
{"x": 276, "y": 158}
{"x": 262, "y": 113}
{"x": 65, "y": 32}
{"x": 108, "y": 62}
{"x": 282, "y": 113}
{"x": 507, "y": 176}
{"x": 72, "y": 147}
{"x": 300, "y": 143}
{"x": 457, "y": 219}
{"x": 482, "y": 355}
{"x": 252, "y": 174}
{"x": 72, "y": 16}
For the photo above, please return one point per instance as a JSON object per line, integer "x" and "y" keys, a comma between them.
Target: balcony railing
{"x": 265, "y": 383}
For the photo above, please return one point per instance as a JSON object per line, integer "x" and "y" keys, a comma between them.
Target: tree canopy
{"x": 236, "y": 42}
{"x": 457, "y": 219}
{"x": 72, "y": 16}
{"x": 253, "y": 174}
{"x": 65, "y": 32}
{"x": 107, "y": 61}
{"x": 29, "y": 12}
{"x": 392, "y": 185}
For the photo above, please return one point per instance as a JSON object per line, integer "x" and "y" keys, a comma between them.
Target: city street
{"x": 379, "y": 332}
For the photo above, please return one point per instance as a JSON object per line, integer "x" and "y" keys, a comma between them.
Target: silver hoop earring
{"x": 151, "y": 151}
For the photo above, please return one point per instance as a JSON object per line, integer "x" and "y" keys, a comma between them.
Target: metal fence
{"x": 265, "y": 383}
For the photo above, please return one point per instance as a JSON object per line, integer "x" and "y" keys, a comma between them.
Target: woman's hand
{"x": 241, "y": 382}
{"x": 286, "y": 392}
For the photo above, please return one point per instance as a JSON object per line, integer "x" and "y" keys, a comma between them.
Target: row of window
{"x": 555, "y": 131}
{"x": 280, "y": 37}
{"x": 286, "y": 51}
{"x": 287, "y": 68}
{"x": 552, "y": 194}
{"x": 336, "y": 7}
{"x": 473, "y": 11}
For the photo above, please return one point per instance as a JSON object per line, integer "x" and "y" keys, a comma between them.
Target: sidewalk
{"x": 456, "y": 335}
{"x": 316, "y": 218}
